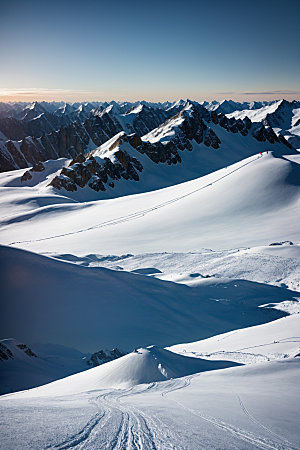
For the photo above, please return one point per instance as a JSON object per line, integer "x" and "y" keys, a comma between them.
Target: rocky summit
{"x": 34, "y": 132}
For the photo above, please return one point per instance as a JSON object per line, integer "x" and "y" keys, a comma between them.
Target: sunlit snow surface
{"x": 288, "y": 119}
{"x": 249, "y": 407}
{"x": 234, "y": 300}
{"x": 253, "y": 202}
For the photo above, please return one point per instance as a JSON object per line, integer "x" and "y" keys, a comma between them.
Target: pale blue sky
{"x": 154, "y": 50}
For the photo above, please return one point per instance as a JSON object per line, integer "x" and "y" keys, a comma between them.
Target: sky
{"x": 152, "y": 50}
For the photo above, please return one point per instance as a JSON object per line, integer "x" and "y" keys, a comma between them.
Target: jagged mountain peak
{"x": 34, "y": 105}
{"x": 33, "y": 110}
{"x": 56, "y": 133}
{"x": 136, "y": 109}
{"x": 178, "y": 104}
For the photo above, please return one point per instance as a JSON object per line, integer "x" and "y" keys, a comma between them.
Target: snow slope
{"x": 256, "y": 115}
{"x": 145, "y": 365}
{"x": 253, "y": 202}
{"x": 270, "y": 341}
{"x": 278, "y": 265}
{"x": 282, "y": 116}
{"x": 48, "y": 301}
{"x": 25, "y": 368}
{"x": 246, "y": 407}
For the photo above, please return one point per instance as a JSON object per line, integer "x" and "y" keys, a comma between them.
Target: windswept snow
{"x": 274, "y": 340}
{"x": 145, "y": 365}
{"x": 200, "y": 257}
{"x": 246, "y": 407}
{"x": 92, "y": 308}
{"x": 251, "y": 203}
{"x": 278, "y": 265}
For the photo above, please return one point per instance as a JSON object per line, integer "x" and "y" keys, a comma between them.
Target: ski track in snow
{"x": 119, "y": 425}
{"x": 82, "y": 435}
{"x": 240, "y": 350}
{"x": 137, "y": 214}
{"x": 252, "y": 418}
{"x": 246, "y": 436}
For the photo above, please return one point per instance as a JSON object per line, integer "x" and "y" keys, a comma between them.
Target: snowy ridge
{"x": 238, "y": 203}
{"x": 270, "y": 341}
{"x": 51, "y": 130}
{"x": 143, "y": 366}
{"x": 130, "y": 158}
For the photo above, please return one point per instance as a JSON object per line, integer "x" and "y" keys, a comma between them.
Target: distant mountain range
{"x": 105, "y": 145}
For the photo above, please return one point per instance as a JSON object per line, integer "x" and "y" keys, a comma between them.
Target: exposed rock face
{"x": 61, "y": 181}
{"x": 5, "y": 353}
{"x": 78, "y": 159}
{"x": 27, "y": 350}
{"x": 102, "y": 357}
{"x": 38, "y": 167}
{"x": 146, "y": 120}
{"x": 39, "y": 132}
{"x": 66, "y": 142}
{"x": 95, "y": 174}
{"x": 190, "y": 125}
{"x": 78, "y": 173}
{"x": 26, "y": 176}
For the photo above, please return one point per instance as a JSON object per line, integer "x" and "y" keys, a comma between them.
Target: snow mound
{"x": 144, "y": 365}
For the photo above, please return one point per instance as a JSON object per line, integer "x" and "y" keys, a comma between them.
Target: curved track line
{"x": 253, "y": 419}
{"x": 82, "y": 435}
{"x": 137, "y": 214}
{"x": 238, "y": 433}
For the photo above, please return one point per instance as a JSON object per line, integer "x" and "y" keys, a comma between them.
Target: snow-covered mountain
{"x": 40, "y": 131}
{"x": 154, "y": 225}
{"x": 282, "y": 116}
{"x": 229, "y": 106}
{"x": 129, "y": 164}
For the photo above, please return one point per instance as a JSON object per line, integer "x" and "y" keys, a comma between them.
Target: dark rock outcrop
{"x": 41, "y": 131}
{"x": 97, "y": 174}
{"x": 27, "y": 350}
{"x": 5, "y": 353}
{"x": 38, "y": 167}
{"x": 103, "y": 357}
{"x": 26, "y": 176}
